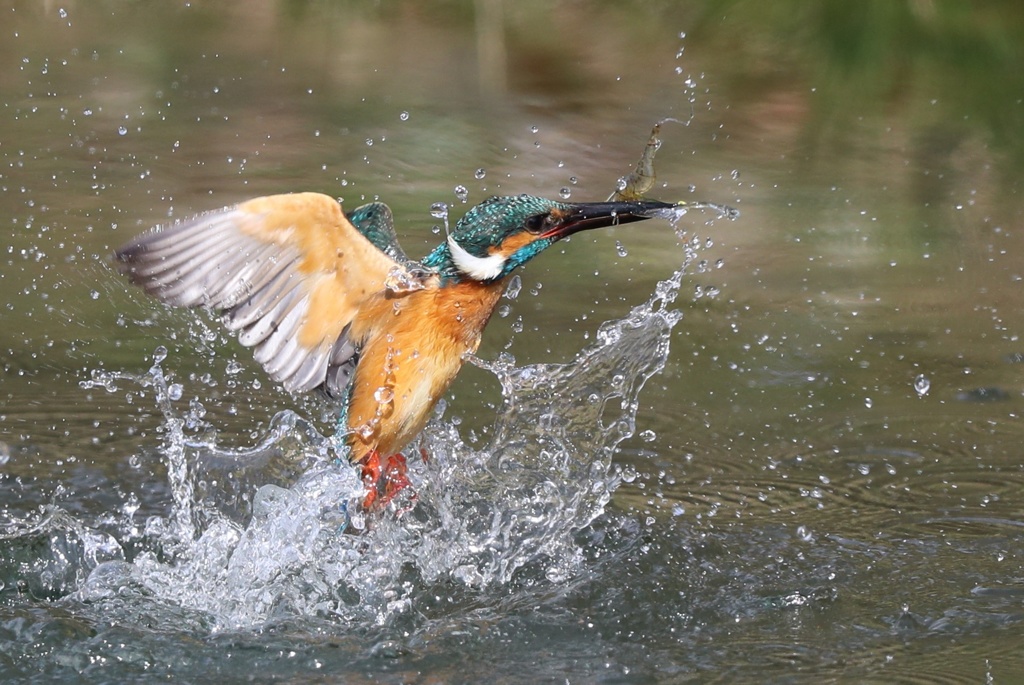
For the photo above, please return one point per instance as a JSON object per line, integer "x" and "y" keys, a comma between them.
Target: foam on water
{"x": 266, "y": 532}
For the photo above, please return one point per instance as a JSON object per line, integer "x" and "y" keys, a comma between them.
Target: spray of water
{"x": 275, "y": 530}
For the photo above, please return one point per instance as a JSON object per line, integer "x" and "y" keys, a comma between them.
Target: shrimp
{"x": 641, "y": 179}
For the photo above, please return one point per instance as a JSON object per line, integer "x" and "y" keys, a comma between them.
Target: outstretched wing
{"x": 375, "y": 221}
{"x": 288, "y": 272}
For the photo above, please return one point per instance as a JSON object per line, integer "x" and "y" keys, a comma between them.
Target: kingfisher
{"x": 329, "y": 301}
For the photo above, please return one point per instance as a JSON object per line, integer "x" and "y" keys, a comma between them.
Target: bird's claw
{"x": 383, "y": 483}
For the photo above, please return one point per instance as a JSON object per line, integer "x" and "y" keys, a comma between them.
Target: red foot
{"x": 395, "y": 478}
{"x": 371, "y": 476}
{"x": 393, "y": 482}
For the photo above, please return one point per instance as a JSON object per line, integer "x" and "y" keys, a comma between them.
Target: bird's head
{"x": 503, "y": 233}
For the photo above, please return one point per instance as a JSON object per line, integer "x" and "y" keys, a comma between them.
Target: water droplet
{"x": 648, "y": 436}
{"x": 735, "y": 174}
{"x": 366, "y": 431}
{"x": 369, "y": 142}
{"x": 573, "y": 180}
{"x": 620, "y": 249}
{"x": 515, "y": 286}
{"x": 400, "y": 281}
{"x": 805, "y": 534}
{"x": 462, "y": 193}
{"x": 94, "y": 294}
{"x": 868, "y": 403}
{"x": 122, "y": 130}
{"x": 534, "y": 129}
{"x": 503, "y": 311}
{"x": 678, "y": 510}
{"x": 174, "y": 392}
{"x": 517, "y": 325}
{"x": 384, "y": 395}
{"x": 565, "y": 193}
{"x": 159, "y": 354}
{"x": 480, "y": 173}
{"x": 404, "y": 116}
{"x": 719, "y": 263}
{"x": 922, "y": 384}
{"x": 621, "y": 184}
{"x": 439, "y": 210}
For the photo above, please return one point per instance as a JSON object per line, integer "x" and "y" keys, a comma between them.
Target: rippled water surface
{"x": 783, "y": 448}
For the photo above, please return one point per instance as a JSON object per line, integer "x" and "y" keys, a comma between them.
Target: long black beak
{"x": 588, "y": 215}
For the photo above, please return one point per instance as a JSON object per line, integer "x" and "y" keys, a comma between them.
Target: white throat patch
{"x": 477, "y": 268}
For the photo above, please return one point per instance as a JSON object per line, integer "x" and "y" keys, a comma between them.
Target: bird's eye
{"x": 536, "y": 223}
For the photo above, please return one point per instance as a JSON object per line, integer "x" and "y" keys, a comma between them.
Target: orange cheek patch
{"x": 513, "y": 243}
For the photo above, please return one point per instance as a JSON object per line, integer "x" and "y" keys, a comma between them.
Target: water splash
{"x": 180, "y": 530}
{"x": 263, "y": 533}
{"x": 51, "y": 554}
{"x": 547, "y": 473}
{"x": 677, "y": 211}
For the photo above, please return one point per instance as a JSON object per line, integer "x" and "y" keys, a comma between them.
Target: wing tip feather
{"x": 163, "y": 261}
